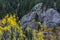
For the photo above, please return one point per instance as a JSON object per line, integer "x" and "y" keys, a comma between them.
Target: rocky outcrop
{"x": 28, "y": 17}
{"x": 50, "y": 17}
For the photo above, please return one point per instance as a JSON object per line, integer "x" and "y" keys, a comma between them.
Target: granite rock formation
{"x": 50, "y": 17}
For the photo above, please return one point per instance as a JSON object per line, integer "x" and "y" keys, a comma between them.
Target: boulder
{"x": 50, "y": 17}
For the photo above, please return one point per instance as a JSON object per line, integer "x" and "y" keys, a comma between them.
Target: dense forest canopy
{"x": 22, "y": 7}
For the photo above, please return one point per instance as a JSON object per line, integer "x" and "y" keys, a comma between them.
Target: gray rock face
{"x": 49, "y": 17}
{"x": 32, "y": 25}
{"x": 28, "y": 17}
{"x": 31, "y": 15}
